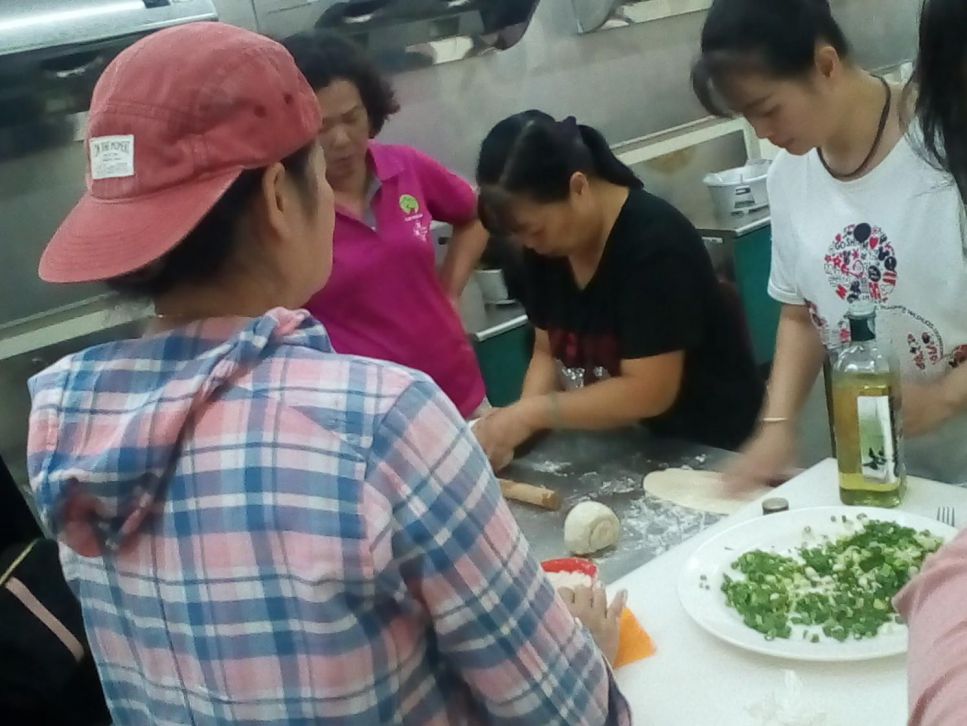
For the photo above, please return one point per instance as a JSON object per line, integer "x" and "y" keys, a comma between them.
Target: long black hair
{"x": 532, "y": 154}
{"x": 941, "y": 78}
{"x": 775, "y": 37}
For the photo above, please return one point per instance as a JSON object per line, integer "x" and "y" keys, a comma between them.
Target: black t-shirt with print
{"x": 654, "y": 292}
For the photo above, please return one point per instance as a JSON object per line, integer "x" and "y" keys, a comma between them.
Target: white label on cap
{"x": 112, "y": 157}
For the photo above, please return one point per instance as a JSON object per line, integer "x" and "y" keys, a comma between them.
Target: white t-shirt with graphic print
{"x": 896, "y": 236}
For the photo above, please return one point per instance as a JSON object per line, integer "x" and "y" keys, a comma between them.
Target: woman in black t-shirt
{"x": 631, "y": 322}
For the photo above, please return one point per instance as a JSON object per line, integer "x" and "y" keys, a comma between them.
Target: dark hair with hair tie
{"x": 532, "y": 154}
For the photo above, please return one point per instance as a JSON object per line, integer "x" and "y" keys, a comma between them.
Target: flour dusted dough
{"x": 701, "y": 490}
{"x": 590, "y": 527}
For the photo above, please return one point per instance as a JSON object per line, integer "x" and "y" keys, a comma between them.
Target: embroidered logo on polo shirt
{"x": 409, "y": 204}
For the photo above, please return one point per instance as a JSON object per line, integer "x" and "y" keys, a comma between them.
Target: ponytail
{"x": 607, "y": 166}
{"x": 534, "y": 155}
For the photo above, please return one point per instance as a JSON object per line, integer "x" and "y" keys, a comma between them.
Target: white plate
{"x": 783, "y": 532}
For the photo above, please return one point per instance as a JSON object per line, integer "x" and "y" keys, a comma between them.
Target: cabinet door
{"x": 753, "y": 261}
{"x": 503, "y": 362}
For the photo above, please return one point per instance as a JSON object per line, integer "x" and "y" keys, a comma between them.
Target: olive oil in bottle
{"x": 866, "y": 417}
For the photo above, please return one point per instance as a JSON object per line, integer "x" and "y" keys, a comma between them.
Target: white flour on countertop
{"x": 616, "y": 485}
{"x": 550, "y": 467}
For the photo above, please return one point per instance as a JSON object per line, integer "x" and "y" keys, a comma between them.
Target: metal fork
{"x": 945, "y": 514}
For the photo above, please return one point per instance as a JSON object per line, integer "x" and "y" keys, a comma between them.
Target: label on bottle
{"x": 877, "y": 439}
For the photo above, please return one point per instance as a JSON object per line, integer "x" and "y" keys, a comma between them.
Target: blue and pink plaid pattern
{"x": 262, "y": 531}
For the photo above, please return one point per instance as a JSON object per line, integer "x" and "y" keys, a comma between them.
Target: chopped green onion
{"x": 843, "y": 587}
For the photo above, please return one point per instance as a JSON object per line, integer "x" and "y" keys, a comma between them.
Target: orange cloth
{"x": 634, "y": 643}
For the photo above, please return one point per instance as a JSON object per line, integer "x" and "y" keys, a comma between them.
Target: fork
{"x": 945, "y": 514}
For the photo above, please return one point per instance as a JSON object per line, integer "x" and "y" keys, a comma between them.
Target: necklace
{"x": 884, "y": 116}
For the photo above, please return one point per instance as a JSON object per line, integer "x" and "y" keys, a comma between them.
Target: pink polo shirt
{"x": 384, "y": 299}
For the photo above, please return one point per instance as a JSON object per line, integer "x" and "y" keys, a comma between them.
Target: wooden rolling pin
{"x": 530, "y": 494}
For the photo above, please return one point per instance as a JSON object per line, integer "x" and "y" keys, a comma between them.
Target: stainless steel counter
{"x": 700, "y": 212}
{"x": 609, "y": 468}
{"x": 494, "y": 320}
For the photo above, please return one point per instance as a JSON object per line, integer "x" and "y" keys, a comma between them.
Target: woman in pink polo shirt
{"x": 385, "y": 298}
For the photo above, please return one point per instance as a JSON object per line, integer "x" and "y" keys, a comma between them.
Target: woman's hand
{"x": 590, "y": 606}
{"x": 501, "y": 430}
{"x": 766, "y": 459}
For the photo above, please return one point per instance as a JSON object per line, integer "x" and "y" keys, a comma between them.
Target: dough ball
{"x": 590, "y": 527}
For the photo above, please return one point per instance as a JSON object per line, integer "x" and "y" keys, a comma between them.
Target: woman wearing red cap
{"x": 259, "y": 529}
{"x": 385, "y": 298}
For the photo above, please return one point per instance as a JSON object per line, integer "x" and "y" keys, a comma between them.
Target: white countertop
{"x": 695, "y": 679}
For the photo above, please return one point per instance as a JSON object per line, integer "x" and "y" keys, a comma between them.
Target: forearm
{"x": 608, "y": 404}
{"x": 541, "y": 377}
{"x": 798, "y": 360}
{"x": 464, "y": 250}
{"x": 954, "y": 390}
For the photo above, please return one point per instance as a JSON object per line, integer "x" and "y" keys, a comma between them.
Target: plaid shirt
{"x": 262, "y": 531}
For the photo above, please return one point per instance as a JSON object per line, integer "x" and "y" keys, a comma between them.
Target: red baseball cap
{"x": 175, "y": 119}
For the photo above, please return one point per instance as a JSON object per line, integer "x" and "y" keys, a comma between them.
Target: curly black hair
{"x": 941, "y": 86}
{"x": 324, "y": 56}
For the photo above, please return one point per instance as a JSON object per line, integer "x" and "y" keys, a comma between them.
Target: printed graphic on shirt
{"x": 413, "y": 215}
{"x": 409, "y": 204}
{"x": 584, "y": 359}
{"x": 861, "y": 264}
{"x": 831, "y": 338}
{"x": 958, "y": 357}
{"x": 924, "y": 349}
{"x": 913, "y": 335}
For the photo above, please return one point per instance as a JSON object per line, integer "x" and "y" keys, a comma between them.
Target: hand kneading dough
{"x": 589, "y": 527}
{"x": 702, "y": 490}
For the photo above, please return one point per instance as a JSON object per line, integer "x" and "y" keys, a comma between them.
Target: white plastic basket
{"x": 741, "y": 190}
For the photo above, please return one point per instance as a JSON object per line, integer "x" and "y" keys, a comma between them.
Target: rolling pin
{"x": 530, "y": 494}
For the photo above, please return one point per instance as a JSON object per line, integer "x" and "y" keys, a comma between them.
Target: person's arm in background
{"x": 799, "y": 357}
{"x": 466, "y": 247}
{"x": 928, "y": 406}
{"x": 451, "y": 199}
{"x": 497, "y": 620}
{"x": 768, "y": 456}
{"x": 932, "y": 605}
{"x": 646, "y": 388}
{"x": 541, "y": 377}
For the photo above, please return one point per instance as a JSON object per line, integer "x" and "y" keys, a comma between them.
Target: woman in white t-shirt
{"x": 856, "y": 213}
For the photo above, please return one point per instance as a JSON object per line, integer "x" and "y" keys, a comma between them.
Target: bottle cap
{"x": 862, "y": 316}
{"x": 861, "y": 309}
{"x": 773, "y": 505}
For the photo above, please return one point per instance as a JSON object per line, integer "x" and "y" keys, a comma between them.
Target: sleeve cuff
{"x": 784, "y": 295}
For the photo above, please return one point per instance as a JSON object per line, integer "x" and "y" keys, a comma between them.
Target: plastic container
{"x": 493, "y": 286}
{"x": 741, "y": 190}
{"x": 561, "y": 572}
{"x": 572, "y": 564}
